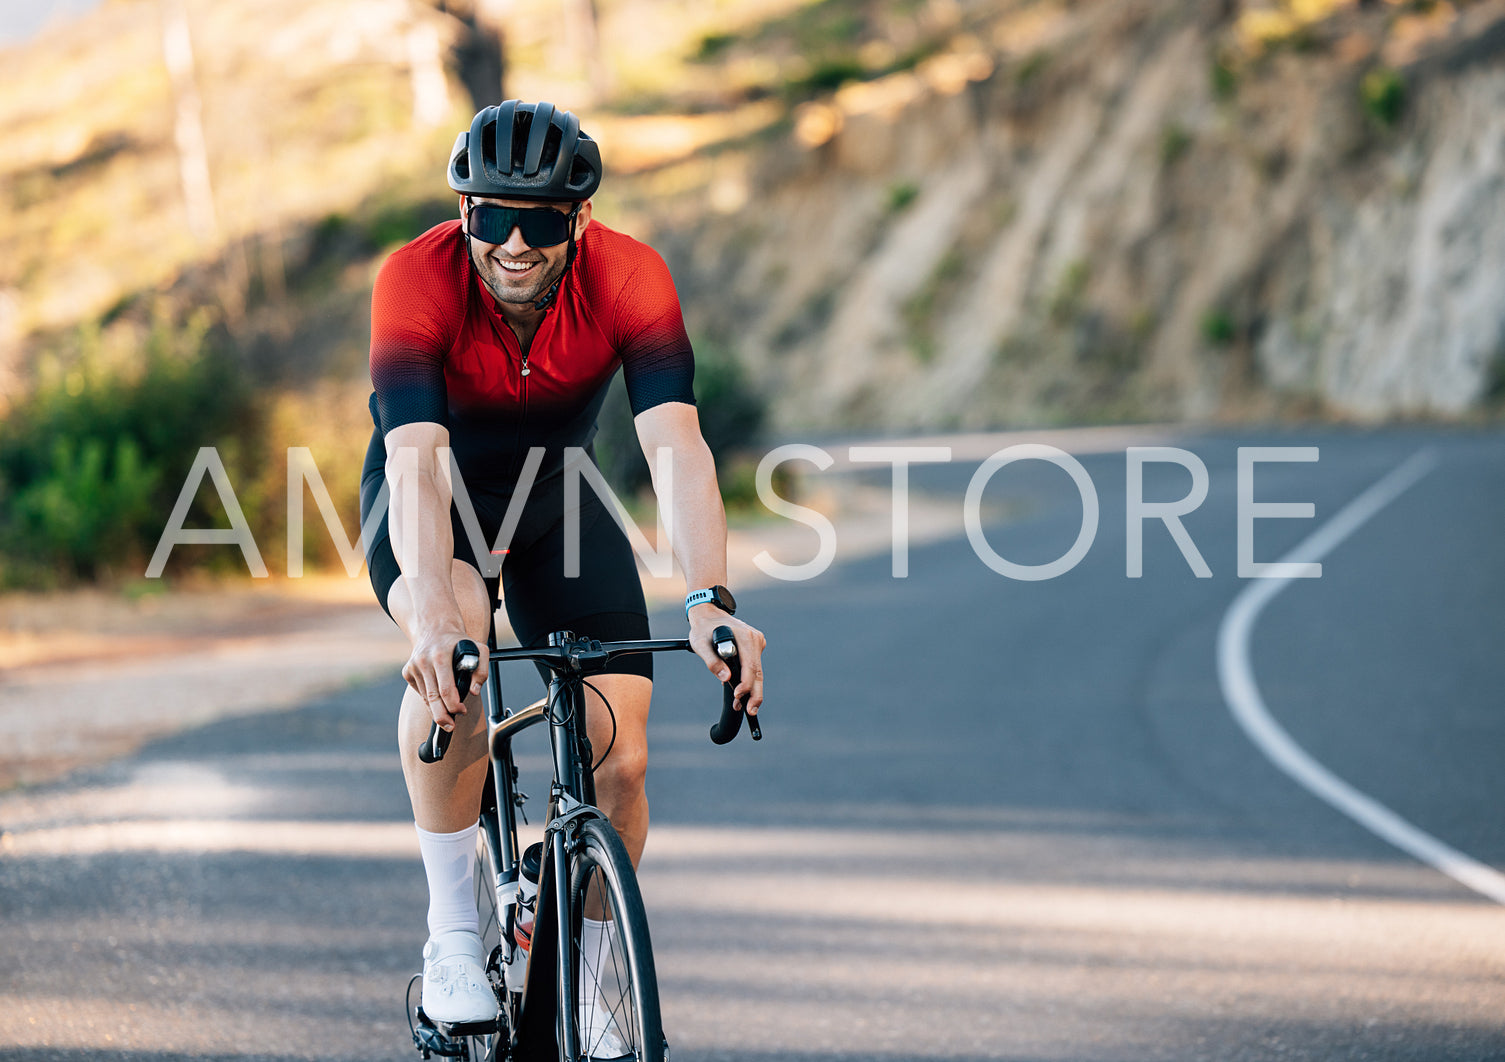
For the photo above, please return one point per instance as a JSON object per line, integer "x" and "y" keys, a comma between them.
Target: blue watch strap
{"x": 699, "y": 597}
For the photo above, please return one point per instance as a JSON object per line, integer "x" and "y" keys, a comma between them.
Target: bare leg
{"x": 619, "y": 778}
{"x": 446, "y": 796}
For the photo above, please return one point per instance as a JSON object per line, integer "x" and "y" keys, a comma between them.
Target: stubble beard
{"x": 502, "y": 286}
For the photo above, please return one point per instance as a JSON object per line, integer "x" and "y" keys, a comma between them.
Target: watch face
{"x": 724, "y": 599}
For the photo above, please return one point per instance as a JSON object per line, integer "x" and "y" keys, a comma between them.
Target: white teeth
{"x": 516, "y": 267}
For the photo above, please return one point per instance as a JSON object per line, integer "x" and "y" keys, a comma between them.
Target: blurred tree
{"x": 482, "y": 50}
{"x": 188, "y": 128}
{"x": 585, "y": 25}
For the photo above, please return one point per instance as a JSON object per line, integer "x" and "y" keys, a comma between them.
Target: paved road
{"x": 991, "y": 819}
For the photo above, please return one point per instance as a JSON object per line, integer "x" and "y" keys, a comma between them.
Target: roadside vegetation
{"x": 126, "y": 343}
{"x": 93, "y": 458}
{"x": 91, "y": 461}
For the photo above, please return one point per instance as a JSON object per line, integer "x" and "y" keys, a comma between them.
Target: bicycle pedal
{"x": 447, "y": 1039}
{"x": 430, "y": 1041}
{"x": 457, "y": 1030}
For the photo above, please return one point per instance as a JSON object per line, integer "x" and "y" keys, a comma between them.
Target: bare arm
{"x": 698, "y": 533}
{"x": 423, "y": 542}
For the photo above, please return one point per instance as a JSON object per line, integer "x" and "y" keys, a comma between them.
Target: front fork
{"x": 546, "y": 1018}
{"x": 569, "y": 1032}
{"x": 544, "y": 1023}
{"x": 499, "y": 830}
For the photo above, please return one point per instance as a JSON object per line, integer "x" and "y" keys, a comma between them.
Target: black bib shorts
{"x": 605, "y": 601}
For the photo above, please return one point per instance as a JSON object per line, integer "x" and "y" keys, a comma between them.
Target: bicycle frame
{"x": 532, "y": 1030}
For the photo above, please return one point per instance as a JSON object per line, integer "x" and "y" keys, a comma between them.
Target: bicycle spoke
{"x": 620, "y": 1010}
{"x": 607, "y": 1000}
{"x": 486, "y": 905}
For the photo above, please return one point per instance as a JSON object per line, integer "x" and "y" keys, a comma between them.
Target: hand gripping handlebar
{"x": 725, "y": 728}
{"x": 466, "y": 659}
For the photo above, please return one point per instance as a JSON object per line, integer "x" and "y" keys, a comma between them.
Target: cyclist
{"x": 495, "y": 335}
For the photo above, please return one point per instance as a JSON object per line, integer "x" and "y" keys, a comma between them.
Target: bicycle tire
{"x": 617, "y": 972}
{"x": 486, "y": 1048}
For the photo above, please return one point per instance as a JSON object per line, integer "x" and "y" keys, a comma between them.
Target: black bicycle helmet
{"x": 546, "y": 156}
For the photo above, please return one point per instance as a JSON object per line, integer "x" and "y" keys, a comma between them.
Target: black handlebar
{"x": 466, "y": 660}
{"x": 726, "y": 728}
{"x": 594, "y": 655}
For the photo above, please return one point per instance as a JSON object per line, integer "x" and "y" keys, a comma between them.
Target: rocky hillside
{"x": 896, "y": 213}
{"x": 1127, "y": 209}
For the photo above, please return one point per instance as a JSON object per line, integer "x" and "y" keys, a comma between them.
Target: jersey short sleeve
{"x": 648, "y": 332}
{"x": 417, "y": 306}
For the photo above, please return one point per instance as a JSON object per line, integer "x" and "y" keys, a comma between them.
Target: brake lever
{"x": 730, "y": 722}
{"x": 466, "y": 660}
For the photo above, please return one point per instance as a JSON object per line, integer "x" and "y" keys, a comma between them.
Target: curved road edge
{"x": 1241, "y": 693}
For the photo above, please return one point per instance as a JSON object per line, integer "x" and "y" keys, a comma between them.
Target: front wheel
{"x": 486, "y": 1048}
{"x": 616, "y": 1013}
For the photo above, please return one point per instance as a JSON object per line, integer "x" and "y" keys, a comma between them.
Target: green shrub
{"x": 1218, "y": 327}
{"x": 1071, "y": 290}
{"x": 1383, "y": 93}
{"x": 91, "y": 463}
{"x": 329, "y": 229}
{"x": 1029, "y": 71}
{"x": 712, "y": 45}
{"x": 1224, "y": 78}
{"x": 89, "y": 505}
{"x": 827, "y": 74}
{"x": 731, "y": 415}
{"x": 731, "y": 412}
{"x": 920, "y": 310}
{"x": 399, "y": 222}
{"x": 738, "y": 480}
{"x": 825, "y": 24}
{"x": 1174, "y": 142}
{"x": 901, "y": 194}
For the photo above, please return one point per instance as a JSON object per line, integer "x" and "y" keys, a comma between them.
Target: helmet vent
{"x": 525, "y": 151}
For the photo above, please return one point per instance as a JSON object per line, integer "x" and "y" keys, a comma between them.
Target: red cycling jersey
{"x": 442, "y": 353}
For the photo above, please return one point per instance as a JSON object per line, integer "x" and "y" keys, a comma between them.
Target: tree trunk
{"x": 481, "y": 52}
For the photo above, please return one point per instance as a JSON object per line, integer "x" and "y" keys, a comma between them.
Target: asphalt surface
{"x": 990, "y": 819}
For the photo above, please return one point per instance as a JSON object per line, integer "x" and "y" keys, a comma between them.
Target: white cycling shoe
{"x": 455, "y": 988}
{"x": 600, "y": 1034}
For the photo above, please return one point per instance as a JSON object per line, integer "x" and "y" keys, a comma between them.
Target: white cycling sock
{"x": 449, "y": 862}
{"x": 597, "y": 976}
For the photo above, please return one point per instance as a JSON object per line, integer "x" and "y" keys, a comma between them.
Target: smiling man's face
{"x": 513, "y": 272}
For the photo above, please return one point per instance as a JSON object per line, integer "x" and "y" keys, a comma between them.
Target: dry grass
{"x": 308, "y": 111}
{"x": 306, "y": 107}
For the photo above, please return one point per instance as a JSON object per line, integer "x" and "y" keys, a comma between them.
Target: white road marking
{"x": 1236, "y": 676}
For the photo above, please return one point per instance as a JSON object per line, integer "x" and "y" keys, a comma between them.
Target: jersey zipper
{"x": 522, "y": 420}
{"x": 504, "y": 333}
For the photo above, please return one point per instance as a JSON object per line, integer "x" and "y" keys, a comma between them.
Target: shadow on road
{"x": 990, "y": 819}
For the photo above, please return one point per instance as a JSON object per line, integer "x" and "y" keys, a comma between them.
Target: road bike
{"x": 605, "y": 977}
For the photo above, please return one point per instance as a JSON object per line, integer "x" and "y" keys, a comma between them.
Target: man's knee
{"x": 625, "y": 768}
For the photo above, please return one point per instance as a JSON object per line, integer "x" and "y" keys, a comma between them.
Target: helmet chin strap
{"x": 548, "y": 297}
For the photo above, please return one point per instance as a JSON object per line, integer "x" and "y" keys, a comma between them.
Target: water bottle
{"x": 523, "y": 913}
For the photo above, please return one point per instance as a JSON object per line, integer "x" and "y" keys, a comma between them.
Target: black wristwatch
{"x": 719, "y": 596}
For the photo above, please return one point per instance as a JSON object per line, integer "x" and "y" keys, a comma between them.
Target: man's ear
{"x": 464, "y": 207}
{"x": 582, "y": 219}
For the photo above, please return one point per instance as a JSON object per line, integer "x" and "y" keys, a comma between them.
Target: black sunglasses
{"x": 541, "y": 226}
